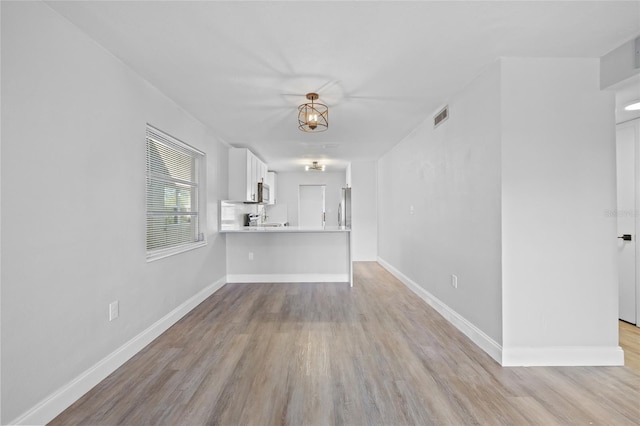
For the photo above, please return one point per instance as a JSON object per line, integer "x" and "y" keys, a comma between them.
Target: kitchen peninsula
{"x": 260, "y": 254}
{"x": 261, "y": 247}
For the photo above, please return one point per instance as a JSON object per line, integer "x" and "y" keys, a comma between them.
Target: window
{"x": 173, "y": 192}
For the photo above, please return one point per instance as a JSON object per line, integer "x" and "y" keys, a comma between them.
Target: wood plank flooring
{"x": 630, "y": 343}
{"x": 317, "y": 354}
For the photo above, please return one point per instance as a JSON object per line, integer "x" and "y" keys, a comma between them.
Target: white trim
{"x": 165, "y": 138}
{"x": 477, "y": 336}
{"x": 288, "y": 278}
{"x": 47, "y": 409}
{"x": 574, "y": 356}
{"x": 158, "y": 254}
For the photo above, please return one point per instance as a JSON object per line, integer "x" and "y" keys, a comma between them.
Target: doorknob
{"x": 626, "y": 237}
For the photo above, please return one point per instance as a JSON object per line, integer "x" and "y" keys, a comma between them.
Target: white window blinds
{"x": 173, "y": 217}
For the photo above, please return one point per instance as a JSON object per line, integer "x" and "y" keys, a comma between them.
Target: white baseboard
{"x": 47, "y": 409}
{"x": 567, "y": 356}
{"x": 287, "y": 278}
{"x": 477, "y": 336}
{"x": 516, "y": 357}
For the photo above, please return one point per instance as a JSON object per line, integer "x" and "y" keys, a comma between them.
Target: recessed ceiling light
{"x": 634, "y": 106}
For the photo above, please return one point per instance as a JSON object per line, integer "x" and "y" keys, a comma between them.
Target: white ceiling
{"x": 382, "y": 67}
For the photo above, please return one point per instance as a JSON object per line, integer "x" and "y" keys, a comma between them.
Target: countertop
{"x": 281, "y": 229}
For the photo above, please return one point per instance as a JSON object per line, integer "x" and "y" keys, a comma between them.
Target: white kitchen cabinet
{"x": 245, "y": 171}
{"x": 272, "y": 181}
{"x": 262, "y": 172}
{"x": 254, "y": 176}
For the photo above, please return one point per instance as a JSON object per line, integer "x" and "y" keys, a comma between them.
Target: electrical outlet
{"x": 114, "y": 310}
{"x": 454, "y": 281}
{"x": 411, "y": 210}
{"x": 250, "y": 255}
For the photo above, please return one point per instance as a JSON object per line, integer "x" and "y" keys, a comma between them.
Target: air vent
{"x": 440, "y": 117}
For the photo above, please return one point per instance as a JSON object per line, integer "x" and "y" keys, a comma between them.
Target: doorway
{"x": 311, "y": 203}
{"x": 627, "y": 162}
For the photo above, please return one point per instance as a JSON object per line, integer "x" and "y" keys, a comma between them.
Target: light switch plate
{"x": 114, "y": 310}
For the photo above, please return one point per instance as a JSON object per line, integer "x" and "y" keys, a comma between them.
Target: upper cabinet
{"x": 272, "y": 181}
{"x": 263, "y": 173}
{"x": 245, "y": 171}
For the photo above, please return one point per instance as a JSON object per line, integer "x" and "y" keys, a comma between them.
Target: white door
{"x": 626, "y": 214}
{"x": 311, "y": 212}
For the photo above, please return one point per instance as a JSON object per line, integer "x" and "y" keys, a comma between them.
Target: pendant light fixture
{"x": 313, "y": 117}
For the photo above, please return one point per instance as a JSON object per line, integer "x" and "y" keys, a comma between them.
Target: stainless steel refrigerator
{"x": 344, "y": 208}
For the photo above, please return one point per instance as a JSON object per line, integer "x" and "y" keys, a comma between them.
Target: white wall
{"x": 511, "y": 195}
{"x": 558, "y": 180}
{"x": 0, "y": 239}
{"x": 364, "y": 212}
{"x": 450, "y": 176}
{"x": 289, "y": 182}
{"x": 73, "y": 210}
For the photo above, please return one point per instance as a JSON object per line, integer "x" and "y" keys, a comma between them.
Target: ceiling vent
{"x": 441, "y": 116}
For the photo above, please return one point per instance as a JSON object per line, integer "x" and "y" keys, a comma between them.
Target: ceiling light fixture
{"x": 313, "y": 117}
{"x": 315, "y": 166}
{"x": 633, "y": 106}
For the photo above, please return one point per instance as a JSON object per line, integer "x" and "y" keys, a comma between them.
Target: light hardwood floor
{"x": 262, "y": 354}
{"x": 630, "y": 343}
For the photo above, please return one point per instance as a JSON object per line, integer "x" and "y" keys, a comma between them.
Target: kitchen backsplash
{"x": 232, "y": 214}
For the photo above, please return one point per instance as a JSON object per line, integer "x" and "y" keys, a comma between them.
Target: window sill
{"x": 162, "y": 253}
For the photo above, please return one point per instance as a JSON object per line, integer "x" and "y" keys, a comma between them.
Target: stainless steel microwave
{"x": 263, "y": 193}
